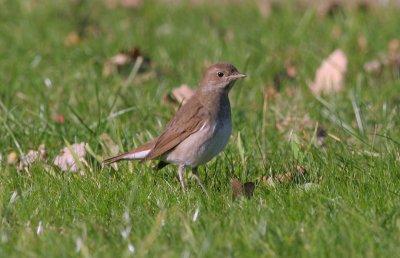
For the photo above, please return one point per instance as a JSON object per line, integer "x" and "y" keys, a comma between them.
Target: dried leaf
{"x": 66, "y": 161}
{"x": 179, "y": 95}
{"x": 374, "y": 66}
{"x": 329, "y": 77}
{"x": 249, "y": 189}
{"x": 72, "y": 39}
{"x": 389, "y": 62}
{"x": 32, "y": 157}
{"x": 12, "y": 158}
{"x": 124, "y": 61}
{"x": 284, "y": 178}
{"x": 239, "y": 190}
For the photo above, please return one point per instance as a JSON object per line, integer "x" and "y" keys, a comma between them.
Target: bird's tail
{"x": 139, "y": 153}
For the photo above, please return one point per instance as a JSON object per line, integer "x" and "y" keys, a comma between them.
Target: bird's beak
{"x": 237, "y": 76}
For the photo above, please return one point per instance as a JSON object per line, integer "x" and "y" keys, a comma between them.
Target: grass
{"x": 346, "y": 205}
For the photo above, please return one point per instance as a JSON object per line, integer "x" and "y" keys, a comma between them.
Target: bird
{"x": 200, "y": 129}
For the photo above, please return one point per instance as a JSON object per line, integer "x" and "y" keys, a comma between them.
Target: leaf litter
{"x": 123, "y": 62}
{"x": 73, "y": 158}
{"x": 240, "y": 190}
{"x": 330, "y": 76}
{"x": 31, "y": 157}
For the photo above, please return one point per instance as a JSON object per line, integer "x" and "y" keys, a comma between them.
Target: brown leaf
{"x": 374, "y": 66}
{"x": 66, "y": 161}
{"x": 124, "y": 62}
{"x": 329, "y": 77}
{"x": 389, "y": 62}
{"x": 284, "y": 178}
{"x": 179, "y": 95}
{"x": 32, "y": 157}
{"x": 249, "y": 189}
{"x": 12, "y": 158}
{"x": 72, "y": 39}
{"x": 239, "y": 190}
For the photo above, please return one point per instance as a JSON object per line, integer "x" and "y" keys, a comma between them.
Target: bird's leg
{"x": 196, "y": 176}
{"x": 181, "y": 170}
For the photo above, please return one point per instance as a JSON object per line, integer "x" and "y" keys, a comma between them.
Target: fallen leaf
{"x": 72, "y": 39}
{"x": 66, "y": 161}
{"x": 249, "y": 189}
{"x": 238, "y": 190}
{"x": 31, "y": 157}
{"x": 179, "y": 95}
{"x": 389, "y": 62}
{"x": 374, "y": 66}
{"x": 12, "y": 158}
{"x": 329, "y": 77}
{"x": 284, "y": 178}
{"x": 124, "y": 62}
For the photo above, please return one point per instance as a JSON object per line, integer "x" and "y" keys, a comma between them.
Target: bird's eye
{"x": 220, "y": 74}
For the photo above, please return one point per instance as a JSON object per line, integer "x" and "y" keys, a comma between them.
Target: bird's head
{"x": 220, "y": 77}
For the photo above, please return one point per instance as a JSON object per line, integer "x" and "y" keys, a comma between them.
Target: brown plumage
{"x": 199, "y": 130}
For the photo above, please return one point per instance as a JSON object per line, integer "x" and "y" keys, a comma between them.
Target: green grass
{"x": 352, "y": 209}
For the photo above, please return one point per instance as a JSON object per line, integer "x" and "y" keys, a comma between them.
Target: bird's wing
{"x": 188, "y": 120}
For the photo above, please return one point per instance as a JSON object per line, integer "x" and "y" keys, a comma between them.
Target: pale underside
{"x": 201, "y": 146}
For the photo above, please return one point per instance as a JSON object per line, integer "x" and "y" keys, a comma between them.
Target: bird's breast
{"x": 203, "y": 145}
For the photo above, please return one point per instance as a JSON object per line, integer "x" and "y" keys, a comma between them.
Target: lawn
{"x": 56, "y": 91}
